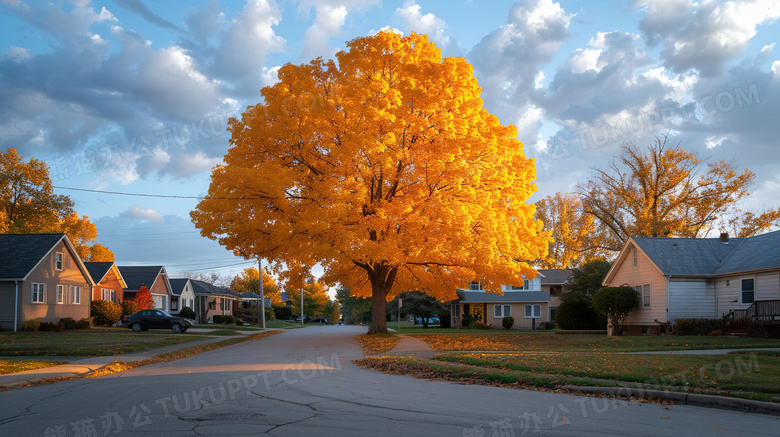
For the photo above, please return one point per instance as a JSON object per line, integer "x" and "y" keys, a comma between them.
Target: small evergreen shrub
{"x": 68, "y": 322}
{"x": 84, "y": 323}
{"x": 224, "y": 320}
{"x": 129, "y": 308}
{"x": 60, "y": 327}
{"x": 478, "y": 325}
{"x": 756, "y": 330}
{"x": 47, "y": 327}
{"x": 32, "y": 325}
{"x": 508, "y": 322}
{"x": 106, "y": 312}
{"x": 187, "y": 312}
{"x": 546, "y": 325}
{"x": 698, "y": 326}
{"x": 239, "y": 322}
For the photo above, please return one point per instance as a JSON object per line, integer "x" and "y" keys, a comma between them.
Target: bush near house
{"x": 129, "y": 308}
{"x": 84, "y": 323}
{"x": 68, "y": 322}
{"x": 508, "y": 322}
{"x": 47, "y": 327}
{"x": 105, "y": 312}
{"x": 187, "y": 312}
{"x": 698, "y": 326}
{"x": 32, "y": 325}
{"x": 224, "y": 320}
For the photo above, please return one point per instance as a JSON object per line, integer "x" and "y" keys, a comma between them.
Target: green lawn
{"x": 87, "y": 343}
{"x": 14, "y": 366}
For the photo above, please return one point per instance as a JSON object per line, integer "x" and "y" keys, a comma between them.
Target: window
{"x": 58, "y": 261}
{"x": 174, "y": 304}
{"x": 455, "y": 310}
{"x": 747, "y": 287}
{"x": 38, "y": 293}
{"x": 526, "y": 286}
{"x": 108, "y": 294}
{"x": 475, "y": 286}
{"x": 60, "y": 294}
{"x": 533, "y": 311}
{"x": 636, "y": 258}
{"x": 646, "y": 296}
{"x": 75, "y": 294}
{"x": 502, "y": 310}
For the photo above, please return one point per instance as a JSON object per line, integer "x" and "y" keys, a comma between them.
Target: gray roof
{"x": 177, "y": 286}
{"x": 555, "y": 276}
{"x": 710, "y": 256}
{"x": 138, "y": 276}
{"x": 98, "y": 269}
{"x": 466, "y": 296}
{"x": 755, "y": 253}
{"x": 250, "y": 296}
{"x": 203, "y": 288}
{"x": 20, "y": 253}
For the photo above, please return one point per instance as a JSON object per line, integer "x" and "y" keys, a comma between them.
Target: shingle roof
{"x": 137, "y": 276}
{"x": 20, "y": 253}
{"x": 204, "y": 288}
{"x": 98, "y": 269}
{"x": 177, "y": 286}
{"x": 555, "y": 276}
{"x": 466, "y": 296}
{"x": 710, "y": 256}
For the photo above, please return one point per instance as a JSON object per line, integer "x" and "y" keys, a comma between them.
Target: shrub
{"x": 546, "y": 325}
{"x": 187, "y": 312}
{"x": 32, "y": 325}
{"x": 239, "y": 322}
{"x": 47, "y": 326}
{"x": 578, "y": 314}
{"x": 698, "y": 326}
{"x": 282, "y": 312}
{"x": 60, "y": 327}
{"x": 68, "y": 322}
{"x": 616, "y": 303}
{"x": 84, "y": 323}
{"x": 129, "y": 308}
{"x": 105, "y": 312}
{"x": 224, "y": 320}
{"x": 478, "y": 325}
{"x": 756, "y": 330}
{"x": 508, "y": 322}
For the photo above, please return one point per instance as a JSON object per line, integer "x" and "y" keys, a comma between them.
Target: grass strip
{"x": 89, "y": 343}
{"x": 120, "y": 366}
{"x": 16, "y": 366}
{"x": 376, "y": 344}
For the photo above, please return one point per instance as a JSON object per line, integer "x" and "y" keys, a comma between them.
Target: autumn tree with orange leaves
{"x": 384, "y": 168}
{"x": 667, "y": 191}
{"x": 143, "y": 298}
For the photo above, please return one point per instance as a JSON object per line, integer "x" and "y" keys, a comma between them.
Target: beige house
{"x": 699, "y": 278}
{"x": 43, "y": 278}
{"x": 554, "y": 282}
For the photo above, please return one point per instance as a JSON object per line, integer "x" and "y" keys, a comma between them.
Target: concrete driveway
{"x": 302, "y": 383}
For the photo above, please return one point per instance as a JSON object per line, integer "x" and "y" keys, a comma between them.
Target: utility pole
{"x": 262, "y": 292}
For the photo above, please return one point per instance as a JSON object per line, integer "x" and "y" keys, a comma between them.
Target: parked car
{"x": 156, "y": 319}
{"x": 319, "y": 320}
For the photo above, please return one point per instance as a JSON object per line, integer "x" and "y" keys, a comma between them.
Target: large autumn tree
{"x": 249, "y": 280}
{"x": 667, "y": 191}
{"x": 383, "y": 167}
{"x": 28, "y": 205}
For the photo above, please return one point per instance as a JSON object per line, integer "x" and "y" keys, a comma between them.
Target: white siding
{"x": 691, "y": 298}
{"x": 768, "y": 286}
{"x": 727, "y": 290}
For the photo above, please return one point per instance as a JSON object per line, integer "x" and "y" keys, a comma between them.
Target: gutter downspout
{"x": 16, "y": 305}
{"x": 667, "y": 297}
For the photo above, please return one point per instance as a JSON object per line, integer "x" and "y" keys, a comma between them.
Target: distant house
{"x": 182, "y": 295}
{"x": 155, "y": 278}
{"x": 529, "y": 302}
{"x": 109, "y": 283}
{"x": 554, "y": 282}
{"x": 43, "y": 278}
{"x": 699, "y": 278}
{"x": 211, "y": 300}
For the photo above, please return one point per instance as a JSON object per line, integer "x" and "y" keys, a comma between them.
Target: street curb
{"x": 694, "y": 399}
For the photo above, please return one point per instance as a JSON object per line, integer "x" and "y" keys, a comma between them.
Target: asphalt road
{"x": 302, "y": 383}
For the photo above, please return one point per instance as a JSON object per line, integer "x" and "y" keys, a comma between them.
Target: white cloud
{"x": 414, "y": 20}
{"x": 139, "y": 213}
{"x": 329, "y": 20}
{"x": 714, "y": 141}
{"x": 704, "y": 35}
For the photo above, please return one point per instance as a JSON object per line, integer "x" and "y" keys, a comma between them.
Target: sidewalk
{"x": 83, "y": 365}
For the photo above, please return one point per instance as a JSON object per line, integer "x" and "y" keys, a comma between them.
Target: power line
{"x": 129, "y": 194}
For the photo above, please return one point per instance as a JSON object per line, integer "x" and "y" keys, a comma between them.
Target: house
{"x": 211, "y": 300}
{"x": 554, "y": 282}
{"x": 528, "y": 304}
{"x": 155, "y": 278}
{"x": 182, "y": 295}
{"x": 109, "y": 283}
{"x": 699, "y": 278}
{"x": 43, "y": 278}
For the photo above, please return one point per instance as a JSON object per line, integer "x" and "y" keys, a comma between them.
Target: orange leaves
{"x": 375, "y": 344}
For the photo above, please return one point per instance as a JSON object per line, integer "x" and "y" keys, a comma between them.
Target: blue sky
{"x": 132, "y": 96}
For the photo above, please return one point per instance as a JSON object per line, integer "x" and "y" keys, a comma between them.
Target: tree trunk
{"x": 378, "y": 311}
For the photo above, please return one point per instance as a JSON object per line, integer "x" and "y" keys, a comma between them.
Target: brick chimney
{"x": 724, "y": 237}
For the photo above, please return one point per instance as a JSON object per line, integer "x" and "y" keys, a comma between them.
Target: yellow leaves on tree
{"x": 668, "y": 191}
{"x": 248, "y": 280}
{"x": 315, "y": 300}
{"x": 384, "y": 168}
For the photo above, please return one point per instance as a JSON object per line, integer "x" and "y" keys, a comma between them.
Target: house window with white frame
{"x": 60, "y": 294}
{"x": 75, "y": 294}
{"x": 455, "y": 310}
{"x": 747, "y": 288}
{"x": 526, "y": 286}
{"x": 108, "y": 294}
{"x": 636, "y": 258}
{"x": 38, "y": 293}
{"x": 644, "y": 295}
{"x": 501, "y": 311}
{"x": 533, "y": 311}
{"x": 475, "y": 286}
{"x": 58, "y": 261}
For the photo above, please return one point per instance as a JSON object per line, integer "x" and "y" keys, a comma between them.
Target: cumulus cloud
{"x": 140, "y": 213}
{"x": 415, "y": 21}
{"x": 704, "y": 35}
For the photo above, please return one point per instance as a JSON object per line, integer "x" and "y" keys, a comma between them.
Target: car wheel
{"x": 136, "y": 327}
{"x": 176, "y": 327}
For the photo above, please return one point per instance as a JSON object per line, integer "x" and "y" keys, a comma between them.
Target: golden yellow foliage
{"x": 248, "y": 279}
{"x": 574, "y": 234}
{"x": 384, "y": 168}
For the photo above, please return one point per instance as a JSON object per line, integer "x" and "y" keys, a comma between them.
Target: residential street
{"x": 302, "y": 383}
